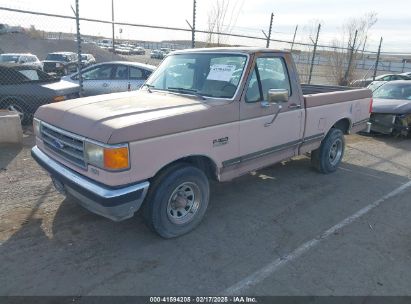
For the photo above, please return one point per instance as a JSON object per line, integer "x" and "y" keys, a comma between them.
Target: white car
{"x": 111, "y": 77}
{"x": 23, "y": 59}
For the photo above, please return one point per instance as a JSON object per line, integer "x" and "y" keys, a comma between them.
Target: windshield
{"x": 9, "y": 58}
{"x": 393, "y": 91}
{"x": 56, "y": 57}
{"x": 10, "y": 76}
{"x": 206, "y": 74}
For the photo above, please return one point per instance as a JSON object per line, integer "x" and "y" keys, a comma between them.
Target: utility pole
{"x": 314, "y": 51}
{"x": 269, "y": 31}
{"x": 295, "y": 33}
{"x": 377, "y": 61}
{"x": 112, "y": 22}
{"x": 347, "y": 72}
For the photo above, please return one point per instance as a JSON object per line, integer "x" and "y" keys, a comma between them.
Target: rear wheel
{"x": 177, "y": 200}
{"x": 328, "y": 156}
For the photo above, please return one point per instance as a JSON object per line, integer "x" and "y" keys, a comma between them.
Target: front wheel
{"x": 177, "y": 200}
{"x": 328, "y": 156}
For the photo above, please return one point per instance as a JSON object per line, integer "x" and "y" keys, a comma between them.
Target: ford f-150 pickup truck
{"x": 204, "y": 114}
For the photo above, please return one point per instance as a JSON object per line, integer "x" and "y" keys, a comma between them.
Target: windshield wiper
{"x": 188, "y": 91}
{"x": 149, "y": 86}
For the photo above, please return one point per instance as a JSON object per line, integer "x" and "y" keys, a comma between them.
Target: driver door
{"x": 269, "y": 132}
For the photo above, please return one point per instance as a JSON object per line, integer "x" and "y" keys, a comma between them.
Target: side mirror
{"x": 277, "y": 95}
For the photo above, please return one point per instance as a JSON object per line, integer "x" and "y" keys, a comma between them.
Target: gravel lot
{"x": 51, "y": 246}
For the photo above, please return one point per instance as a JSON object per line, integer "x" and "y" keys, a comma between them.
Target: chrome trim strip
{"x": 360, "y": 122}
{"x": 85, "y": 183}
{"x": 313, "y": 138}
{"x": 261, "y": 153}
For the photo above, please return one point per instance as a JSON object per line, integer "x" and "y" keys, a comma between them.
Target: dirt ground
{"x": 49, "y": 245}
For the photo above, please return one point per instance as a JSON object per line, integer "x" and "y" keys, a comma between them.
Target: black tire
{"x": 19, "y": 107}
{"x": 328, "y": 156}
{"x": 159, "y": 210}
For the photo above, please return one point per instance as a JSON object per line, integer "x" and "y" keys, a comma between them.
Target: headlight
{"x": 37, "y": 127}
{"x": 111, "y": 158}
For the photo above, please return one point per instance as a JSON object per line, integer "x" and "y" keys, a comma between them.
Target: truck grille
{"x": 65, "y": 144}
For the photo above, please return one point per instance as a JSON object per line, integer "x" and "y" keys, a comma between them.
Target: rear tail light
{"x": 371, "y": 105}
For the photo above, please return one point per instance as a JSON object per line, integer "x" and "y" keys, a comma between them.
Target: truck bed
{"x": 321, "y": 95}
{"x": 310, "y": 89}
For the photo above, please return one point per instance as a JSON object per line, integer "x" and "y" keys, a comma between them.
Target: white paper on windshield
{"x": 221, "y": 72}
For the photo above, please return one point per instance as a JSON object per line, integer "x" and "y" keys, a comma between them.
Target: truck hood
{"x": 53, "y": 61}
{"x": 62, "y": 87}
{"x": 130, "y": 116}
{"x": 391, "y": 106}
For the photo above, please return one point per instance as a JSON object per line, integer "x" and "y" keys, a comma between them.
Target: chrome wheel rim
{"x": 16, "y": 109}
{"x": 335, "y": 152}
{"x": 183, "y": 203}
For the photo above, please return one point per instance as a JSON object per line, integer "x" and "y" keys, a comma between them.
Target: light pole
{"x": 112, "y": 20}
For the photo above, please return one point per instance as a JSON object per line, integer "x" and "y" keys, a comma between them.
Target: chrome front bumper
{"x": 115, "y": 203}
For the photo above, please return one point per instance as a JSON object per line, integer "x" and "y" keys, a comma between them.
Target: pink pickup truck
{"x": 204, "y": 114}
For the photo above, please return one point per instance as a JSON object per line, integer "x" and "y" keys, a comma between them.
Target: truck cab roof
{"x": 245, "y": 50}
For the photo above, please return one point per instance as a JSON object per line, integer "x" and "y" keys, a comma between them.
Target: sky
{"x": 251, "y": 17}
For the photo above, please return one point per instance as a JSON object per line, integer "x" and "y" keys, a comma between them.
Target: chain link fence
{"x": 54, "y": 43}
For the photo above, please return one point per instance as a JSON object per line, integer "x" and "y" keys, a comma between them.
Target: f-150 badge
{"x": 220, "y": 142}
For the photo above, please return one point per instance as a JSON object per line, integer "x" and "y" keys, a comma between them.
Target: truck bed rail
{"x": 309, "y": 89}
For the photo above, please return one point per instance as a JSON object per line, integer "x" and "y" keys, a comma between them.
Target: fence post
{"x": 269, "y": 31}
{"x": 314, "y": 51}
{"x": 112, "y": 23}
{"x": 295, "y": 33}
{"x": 377, "y": 61}
{"x": 350, "y": 58}
{"x": 193, "y": 28}
{"x": 80, "y": 76}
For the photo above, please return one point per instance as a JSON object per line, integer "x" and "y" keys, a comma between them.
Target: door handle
{"x": 294, "y": 106}
{"x": 267, "y": 124}
{"x": 105, "y": 84}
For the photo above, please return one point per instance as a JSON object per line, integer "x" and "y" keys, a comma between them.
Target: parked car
{"x": 5, "y": 28}
{"x": 122, "y": 50}
{"x": 24, "y": 59}
{"x": 408, "y": 74}
{"x": 24, "y": 88}
{"x": 165, "y": 50}
{"x": 87, "y": 60}
{"x": 375, "y": 85}
{"x": 391, "y": 109}
{"x": 110, "y": 77}
{"x": 139, "y": 51}
{"x": 60, "y": 63}
{"x": 157, "y": 54}
{"x": 106, "y": 43}
{"x": 228, "y": 111}
{"x": 385, "y": 77}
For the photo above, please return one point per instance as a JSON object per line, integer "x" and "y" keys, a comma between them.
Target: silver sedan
{"x": 111, "y": 77}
